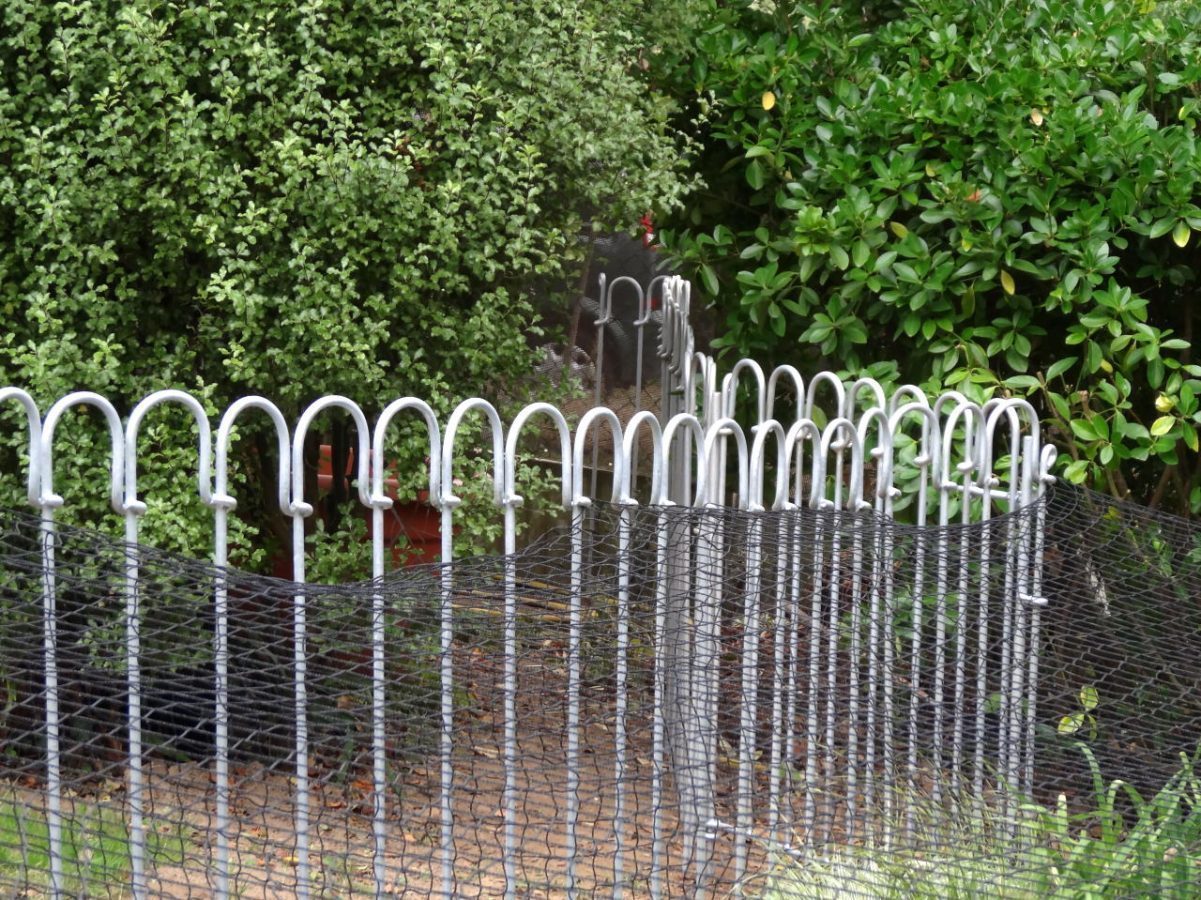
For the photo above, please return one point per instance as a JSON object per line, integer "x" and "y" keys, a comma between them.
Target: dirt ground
{"x": 181, "y": 803}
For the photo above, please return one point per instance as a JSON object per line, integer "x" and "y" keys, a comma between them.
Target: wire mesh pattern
{"x": 654, "y": 701}
{"x": 817, "y": 640}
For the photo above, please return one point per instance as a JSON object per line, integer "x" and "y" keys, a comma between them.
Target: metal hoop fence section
{"x": 799, "y": 607}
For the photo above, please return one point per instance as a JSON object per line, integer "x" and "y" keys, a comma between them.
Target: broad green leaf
{"x": 1022, "y": 382}
{"x": 1083, "y": 429}
{"x": 1060, "y": 366}
{"x": 1162, "y": 425}
{"x": 1088, "y": 698}
{"x": 754, "y": 175}
{"x": 1072, "y": 723}
{"x": 1159, "y": 228}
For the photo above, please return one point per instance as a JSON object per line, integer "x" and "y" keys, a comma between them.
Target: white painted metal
{"x": 839, "y": 451}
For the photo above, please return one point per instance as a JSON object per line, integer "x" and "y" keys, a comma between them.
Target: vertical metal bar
{"x": 54, "y": 820}
{"x": 657, "y": 713}
{"x": 709, "y": 676}
{"x": 856, "y": 576}
{"x": 133, "y": 675}
{"x": 221, "y": 696}
{"x": 940, "y": 628}
{"x": 1020, "y": 664}
{"x": 878, "y": 564}
{"x": 573, "y": 695}
{"x": 621, "y": 704}
{"x": 379, "y": 709}
{"x": 890, "y": 674}
{"x": 300, "y": 687}
{"x": 982, "y": 632}
{"x": 917, "y": 595}
{"x": 748, "y": 704}
{"x": 1039, "y": 460}
{"x": 961, "y": 629}
{"x": 510, "y": 695}
{"x": 1005, "y": 750}
{"x": 1016, "y": 686}
{"x": 699, "y": 695}
{"x": 791, "y": 701}
{"x": 812, "y": 741}
{"x": 832, "y": 659}
{"x": 780, "y": 728}
{"x": 446, "y": 743}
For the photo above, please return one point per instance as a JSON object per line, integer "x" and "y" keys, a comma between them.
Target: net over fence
{"x": 654, "y": 701}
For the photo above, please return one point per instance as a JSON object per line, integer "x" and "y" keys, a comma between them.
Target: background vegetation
{"x": 298, "y": 199}
{"x": 995, "y": 196}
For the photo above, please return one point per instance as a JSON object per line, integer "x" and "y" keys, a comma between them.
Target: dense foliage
{"x": 992, "y": 196}
{"x": 297, "y": 199}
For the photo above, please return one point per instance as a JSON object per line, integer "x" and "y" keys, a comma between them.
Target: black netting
{"x": 794, "y": 704}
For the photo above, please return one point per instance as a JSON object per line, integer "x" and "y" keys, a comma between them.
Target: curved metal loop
{"x": 221, "y": 497}
{"x": 607, "y": 306}
{"x": 879, "y": 398}
{"x": 510, "y": 497}
{"x": 690, "y": 423}
{"x": 832, "y": 441}
{"x": 729, "y": 390}
{"x": 945, "y": 399}
{"x": 602, "y": 304}
{"x": 298, "y": 506}
{"x": 380, "y": 500}
{"x": 928, "y": 456}
{"x": 447, "y": 497}
{"x": 719, "y": 430}
{"x": 835, "y": 383}
{"x": 681, "y": 297}
{"x": 994, "y": 410}
{"x": 589, "y": 418}
{"x": 645, "y": 314}
{"x": 798, "y": 388}
{"x": 204, "y": 473}
{"x": 882, "y": 451}
{"x": 684, "y": 298}
{"x": 1023, "y": 408}
{"x": 667, "y": 330}
{"x": 969, "y": 463}
{"x": 757, "y": 463}
{"x": 793, "y": 444}
{"x": 33, "y": 416}
{"x": 629, "y": 447}
{"x": 702, "y": 372}
{"x": 906, "y": 393}
{"x": 47, "y": 499}
{"x": 1047, "y": 458}
{"x": 1014, "y": 409}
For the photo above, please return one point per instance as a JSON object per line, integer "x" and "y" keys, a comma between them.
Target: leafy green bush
{"x": 993, "y": 196}
{"x": 298, "y": 199}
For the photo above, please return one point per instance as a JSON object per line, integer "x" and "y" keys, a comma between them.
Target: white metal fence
{"x": 841, "y": 448}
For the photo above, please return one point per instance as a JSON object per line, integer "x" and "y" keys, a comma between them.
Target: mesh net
{"x": 805, "y": 703}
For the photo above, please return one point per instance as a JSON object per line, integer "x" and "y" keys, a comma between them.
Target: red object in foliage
{"x": 648, "y": 231}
